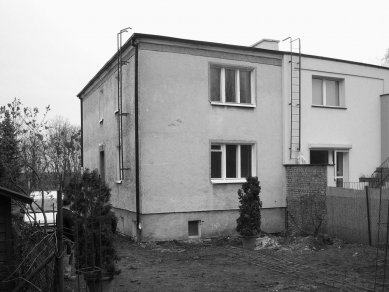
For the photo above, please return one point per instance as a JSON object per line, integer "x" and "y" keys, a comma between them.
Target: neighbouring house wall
{"x": 347, "y": 214}
{"x": 357, "y": 124}
{"x": 306, "y": 194}
{"x": 384, "y": 126}
{"x": 178, "y": 123}
{"x": 100, "y": 103}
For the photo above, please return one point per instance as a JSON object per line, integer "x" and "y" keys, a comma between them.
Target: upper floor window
{"x": 231, "y": 162}
{"x": 231, "y": 86}
{"x": 326, "y": 92}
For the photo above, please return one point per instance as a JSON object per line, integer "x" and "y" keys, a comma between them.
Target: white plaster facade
{"x": 353, "y": 127}
{"x": 178, "y": 123}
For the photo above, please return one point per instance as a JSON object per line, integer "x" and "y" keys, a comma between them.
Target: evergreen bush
{"x": 249, "y": 221}
{"x": 95, "y": 224}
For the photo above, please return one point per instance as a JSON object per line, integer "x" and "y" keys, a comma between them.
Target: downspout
{"x": 138, "y": 223}
{"x": 82, "y": 133}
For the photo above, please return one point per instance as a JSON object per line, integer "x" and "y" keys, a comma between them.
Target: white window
{"x": 231, "y": 86}
{"x": 232, "y": 162}
{"x": 326, "y": 92}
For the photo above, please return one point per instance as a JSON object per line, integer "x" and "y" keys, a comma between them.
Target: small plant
{"x": 95, "y": 225}
{"x": 249, "y": 221}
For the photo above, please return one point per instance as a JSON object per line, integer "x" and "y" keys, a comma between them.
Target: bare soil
{"x": 282, "y": 264}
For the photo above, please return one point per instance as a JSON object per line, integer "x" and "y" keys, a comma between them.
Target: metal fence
{"x": 35, "y": 252}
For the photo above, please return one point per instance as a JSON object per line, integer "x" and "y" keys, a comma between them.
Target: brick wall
{"x": 305, "y": 197}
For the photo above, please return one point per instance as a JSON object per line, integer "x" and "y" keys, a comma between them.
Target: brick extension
{"x": 305, "y": 197}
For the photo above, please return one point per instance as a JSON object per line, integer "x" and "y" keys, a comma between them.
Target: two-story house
{"x": 175, "y": 126}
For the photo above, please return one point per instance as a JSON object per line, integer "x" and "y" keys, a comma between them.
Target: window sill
{"x": 229, "y": 181}
{"x": 331, "y": 107}
{"x": 232, "y": 104}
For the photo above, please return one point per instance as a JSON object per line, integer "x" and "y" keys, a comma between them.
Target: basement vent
{"x": 194, "y": 228}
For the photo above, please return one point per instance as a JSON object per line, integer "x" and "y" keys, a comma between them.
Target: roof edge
{"x": 136, "y": 36}
{"x": 15, "y": 195}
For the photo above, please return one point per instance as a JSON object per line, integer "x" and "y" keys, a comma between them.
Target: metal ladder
{"x": 119, "y": 112}
{"x": 295, "y": 97}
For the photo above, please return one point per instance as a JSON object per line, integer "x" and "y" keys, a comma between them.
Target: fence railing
{"x": 352, "y": 185}
{"x": 360, "y": 185}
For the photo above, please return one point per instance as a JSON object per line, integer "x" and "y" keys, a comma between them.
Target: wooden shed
{"x": 6, "y": 242}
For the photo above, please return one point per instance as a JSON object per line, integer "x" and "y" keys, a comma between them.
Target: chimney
{"x": 267, "y": 44}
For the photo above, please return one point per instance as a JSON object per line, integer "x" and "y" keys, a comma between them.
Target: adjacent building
{"x": 175, "y": 126}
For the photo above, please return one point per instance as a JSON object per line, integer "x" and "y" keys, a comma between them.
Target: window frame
{"x": 341, "y": 95}
{"x": 238, "y": 179}
{"x": 222, "y": 90}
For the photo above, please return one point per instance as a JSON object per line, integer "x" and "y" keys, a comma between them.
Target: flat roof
{"x": 135, "y": 36}
{"x": 4, "y": 192}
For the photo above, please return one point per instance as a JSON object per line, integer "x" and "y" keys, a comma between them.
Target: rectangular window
{"x": 102, "y": 165}
{"x": 215, "y": 84}
{"x": 194, "y": 228}
{"x": 232, "y": 162}
{"x": 216, "y": 161}
{"x": 326, "y": 92}
{"x": 245, "y": 160}
{"x": 231, "y": 86}
{"x": 319, "y": 156}
{"x": 245, "y": 86}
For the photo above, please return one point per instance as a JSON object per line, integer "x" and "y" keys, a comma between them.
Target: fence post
{"x": 368, "y": 213}
{"x": 59, "y": 241}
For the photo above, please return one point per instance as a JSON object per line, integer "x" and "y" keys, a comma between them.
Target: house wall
{"x": 177, "y": 125}
{"x": 384, "y": 126}
{"x": 357, "y": 125}
{"x": 100, "y": 102}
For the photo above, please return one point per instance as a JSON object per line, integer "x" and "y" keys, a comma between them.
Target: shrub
{"x": 249, "y": 221}
{"x": 95, "y": 223}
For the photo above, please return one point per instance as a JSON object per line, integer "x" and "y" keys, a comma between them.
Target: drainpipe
{"x": 82, "y": 134}
{"x": 138, "y": 223}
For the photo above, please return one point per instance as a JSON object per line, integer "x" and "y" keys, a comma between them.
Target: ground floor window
{"x": 194, "y": 228}
{"x": 231, "y": 161}
{"x": 338, "y": 158}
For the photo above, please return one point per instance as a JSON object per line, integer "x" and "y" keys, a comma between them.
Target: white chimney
{"x": 267, "y": 44}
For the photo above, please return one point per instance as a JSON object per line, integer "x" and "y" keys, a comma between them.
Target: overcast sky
{"x": 50, "y": 49}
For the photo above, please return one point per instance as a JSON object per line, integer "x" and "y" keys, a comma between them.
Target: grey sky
{"x": 50, "y": 49}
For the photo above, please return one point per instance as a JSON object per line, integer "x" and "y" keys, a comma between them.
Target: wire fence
{"x": 35, "y": 252}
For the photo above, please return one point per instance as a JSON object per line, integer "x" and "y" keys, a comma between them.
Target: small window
{"x": 229, "y": 86}
{"x": 231, "y": 162}
{"x": 194, "y": 228}
{"x": 102, "y": 165}
{"x": 319, "y": 156}
{"x": 326, "y": 92}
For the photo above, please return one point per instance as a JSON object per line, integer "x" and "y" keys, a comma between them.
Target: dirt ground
{"x": 277, "y": 264}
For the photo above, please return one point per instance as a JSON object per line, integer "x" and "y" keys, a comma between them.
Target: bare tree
{"x": 385, "y": 59}
{"x": 47, "y": 152}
